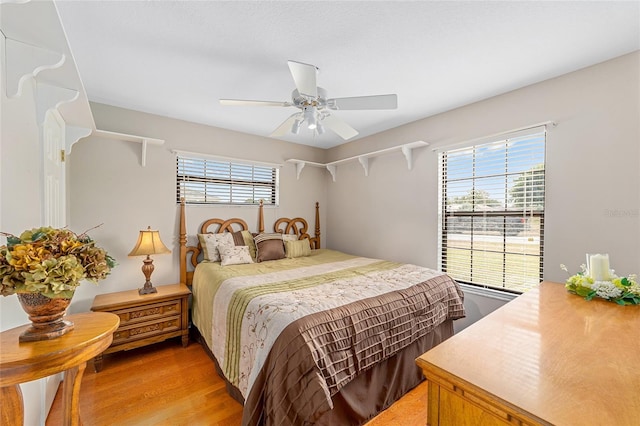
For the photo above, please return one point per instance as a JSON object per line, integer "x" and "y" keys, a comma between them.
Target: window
{"x": 225, "y": 181}
{"x": 492, "y": 212}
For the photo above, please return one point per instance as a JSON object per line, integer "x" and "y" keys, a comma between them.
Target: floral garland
{"x": 621, "y": 290}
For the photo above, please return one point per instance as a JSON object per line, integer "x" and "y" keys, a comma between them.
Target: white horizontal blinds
{"x": 210, "y": 181}
{"x": 492, "y": 212}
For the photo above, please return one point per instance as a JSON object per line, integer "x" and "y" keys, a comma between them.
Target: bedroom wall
{"x": 20, "y": 208}
{"x": 593, "y": 174}
{"x": 109, "y": 186}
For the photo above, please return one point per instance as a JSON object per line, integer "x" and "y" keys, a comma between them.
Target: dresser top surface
{"x": 132, "y": 298}
{"x": 553, "y": 354}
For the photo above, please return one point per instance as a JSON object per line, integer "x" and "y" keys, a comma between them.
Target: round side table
{"x": 26, "y": 361}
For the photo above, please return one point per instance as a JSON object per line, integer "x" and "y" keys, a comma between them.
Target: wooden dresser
{"x": 146, "y": 319}
{"x": 546, "y": 358}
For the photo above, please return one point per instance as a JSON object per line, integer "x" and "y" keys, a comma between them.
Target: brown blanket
{"x": 315, "y": 356}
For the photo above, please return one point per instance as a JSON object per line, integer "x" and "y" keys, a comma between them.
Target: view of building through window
{"x": 492, "y": 212}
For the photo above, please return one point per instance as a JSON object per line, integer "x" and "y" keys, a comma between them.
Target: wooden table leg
{"x": 11, "y": 406}
{"x": 97, "y": 363}
{"x": 71, "y": 395}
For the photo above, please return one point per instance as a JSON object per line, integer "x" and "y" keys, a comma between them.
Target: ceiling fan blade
{"x": 340, "y": 127}
{"x": 241, "y": 102}
{"x": 285, "y": 127}
{"x": 364, "y": 102}
{"x": 304, "y": 75}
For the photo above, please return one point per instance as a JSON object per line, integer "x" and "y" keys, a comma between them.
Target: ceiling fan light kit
{"x": 295, "y": 127}
{"x": 310, "y": 117}
{"x": 314, "y": 105}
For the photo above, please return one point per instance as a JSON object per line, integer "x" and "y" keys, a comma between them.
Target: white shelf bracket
{"x": 408, "y": 154}
{"x": 143, "y": 154}
{"x": 332, "y": 169}
{"x": 364, "y": 161}
{"x": 51, "y": 97}
{"x": 73, "y": 135}
{"x": 144, "y": 142}
{"x": 24, "y": 61}
{"x": 301, "y": 164}
{"x": 299, "y": 167}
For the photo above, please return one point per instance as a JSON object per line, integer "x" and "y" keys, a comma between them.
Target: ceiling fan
{"x": 315, "y": 108}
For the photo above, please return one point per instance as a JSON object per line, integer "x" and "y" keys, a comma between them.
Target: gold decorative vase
{"x": 46, "y": 317}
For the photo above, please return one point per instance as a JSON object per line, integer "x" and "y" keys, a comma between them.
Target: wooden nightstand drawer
{"x": 142, "y": 331}
{"x": 148, "y": 313}
{"x": 145, "y": 319}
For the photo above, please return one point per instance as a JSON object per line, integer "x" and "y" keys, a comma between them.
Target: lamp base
{"x": 147, "y": 269}
{"x": 147, "y": 289}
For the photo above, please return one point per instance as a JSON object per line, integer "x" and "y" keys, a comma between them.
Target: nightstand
{"x": 145, "y": 319}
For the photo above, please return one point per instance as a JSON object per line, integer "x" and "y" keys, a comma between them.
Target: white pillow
{"x": 289, "y": 237}
{"x": 211, "y": 244}
{"x": 236, "y": 255}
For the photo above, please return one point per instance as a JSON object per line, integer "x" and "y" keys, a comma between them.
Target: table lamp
{"x": 148, "y": 243}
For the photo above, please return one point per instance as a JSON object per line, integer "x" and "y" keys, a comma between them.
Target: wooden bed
{"x": 190, "y": 256}
{"x": 341, "y": 364}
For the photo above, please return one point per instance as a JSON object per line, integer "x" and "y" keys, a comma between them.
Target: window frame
{"x": 504, "y": 213}
{"x": 226, "y": 179}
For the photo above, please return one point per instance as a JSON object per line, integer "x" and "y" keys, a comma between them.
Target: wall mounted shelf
{"x": 40, "y": 52}
{"x": 131, "y": 138}
{"x": 363, "y": 159}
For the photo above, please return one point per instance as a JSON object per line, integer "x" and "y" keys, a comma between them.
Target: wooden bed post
{"x": 261, "y": 217}
{"x": 183, "y": 243}
{"x": 317, "y": 225}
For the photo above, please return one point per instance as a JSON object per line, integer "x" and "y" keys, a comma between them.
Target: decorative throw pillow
{"x": 237, "y": 255}
{"x": 269, "y": 247}
{"x": 289, "y": 237}
{"x": 248, "y": 241}
{"x": 238, "y": 238}
{"x": 211, "y": 242}
{"x": 299, "y": 248}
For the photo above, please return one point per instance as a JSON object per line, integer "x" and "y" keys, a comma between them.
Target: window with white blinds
{"x": 492, "y": 212}
{"x": 212, "y": 181}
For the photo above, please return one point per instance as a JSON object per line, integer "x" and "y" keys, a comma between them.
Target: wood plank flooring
{"x": 166, "y": 384}
{"x": 410, "y": 410}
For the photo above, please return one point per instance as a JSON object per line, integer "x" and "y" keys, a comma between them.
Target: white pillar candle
{"x": 599, "y": 267}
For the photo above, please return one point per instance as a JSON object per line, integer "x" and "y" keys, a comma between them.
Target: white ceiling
{"x": 178, "y": 58}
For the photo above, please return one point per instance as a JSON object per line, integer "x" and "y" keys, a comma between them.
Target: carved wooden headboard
{"x": 189, "y": 254}
{"x": 298, "y": 226}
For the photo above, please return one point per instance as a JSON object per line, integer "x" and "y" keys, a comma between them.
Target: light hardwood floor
{"x": 166, "y": 384}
